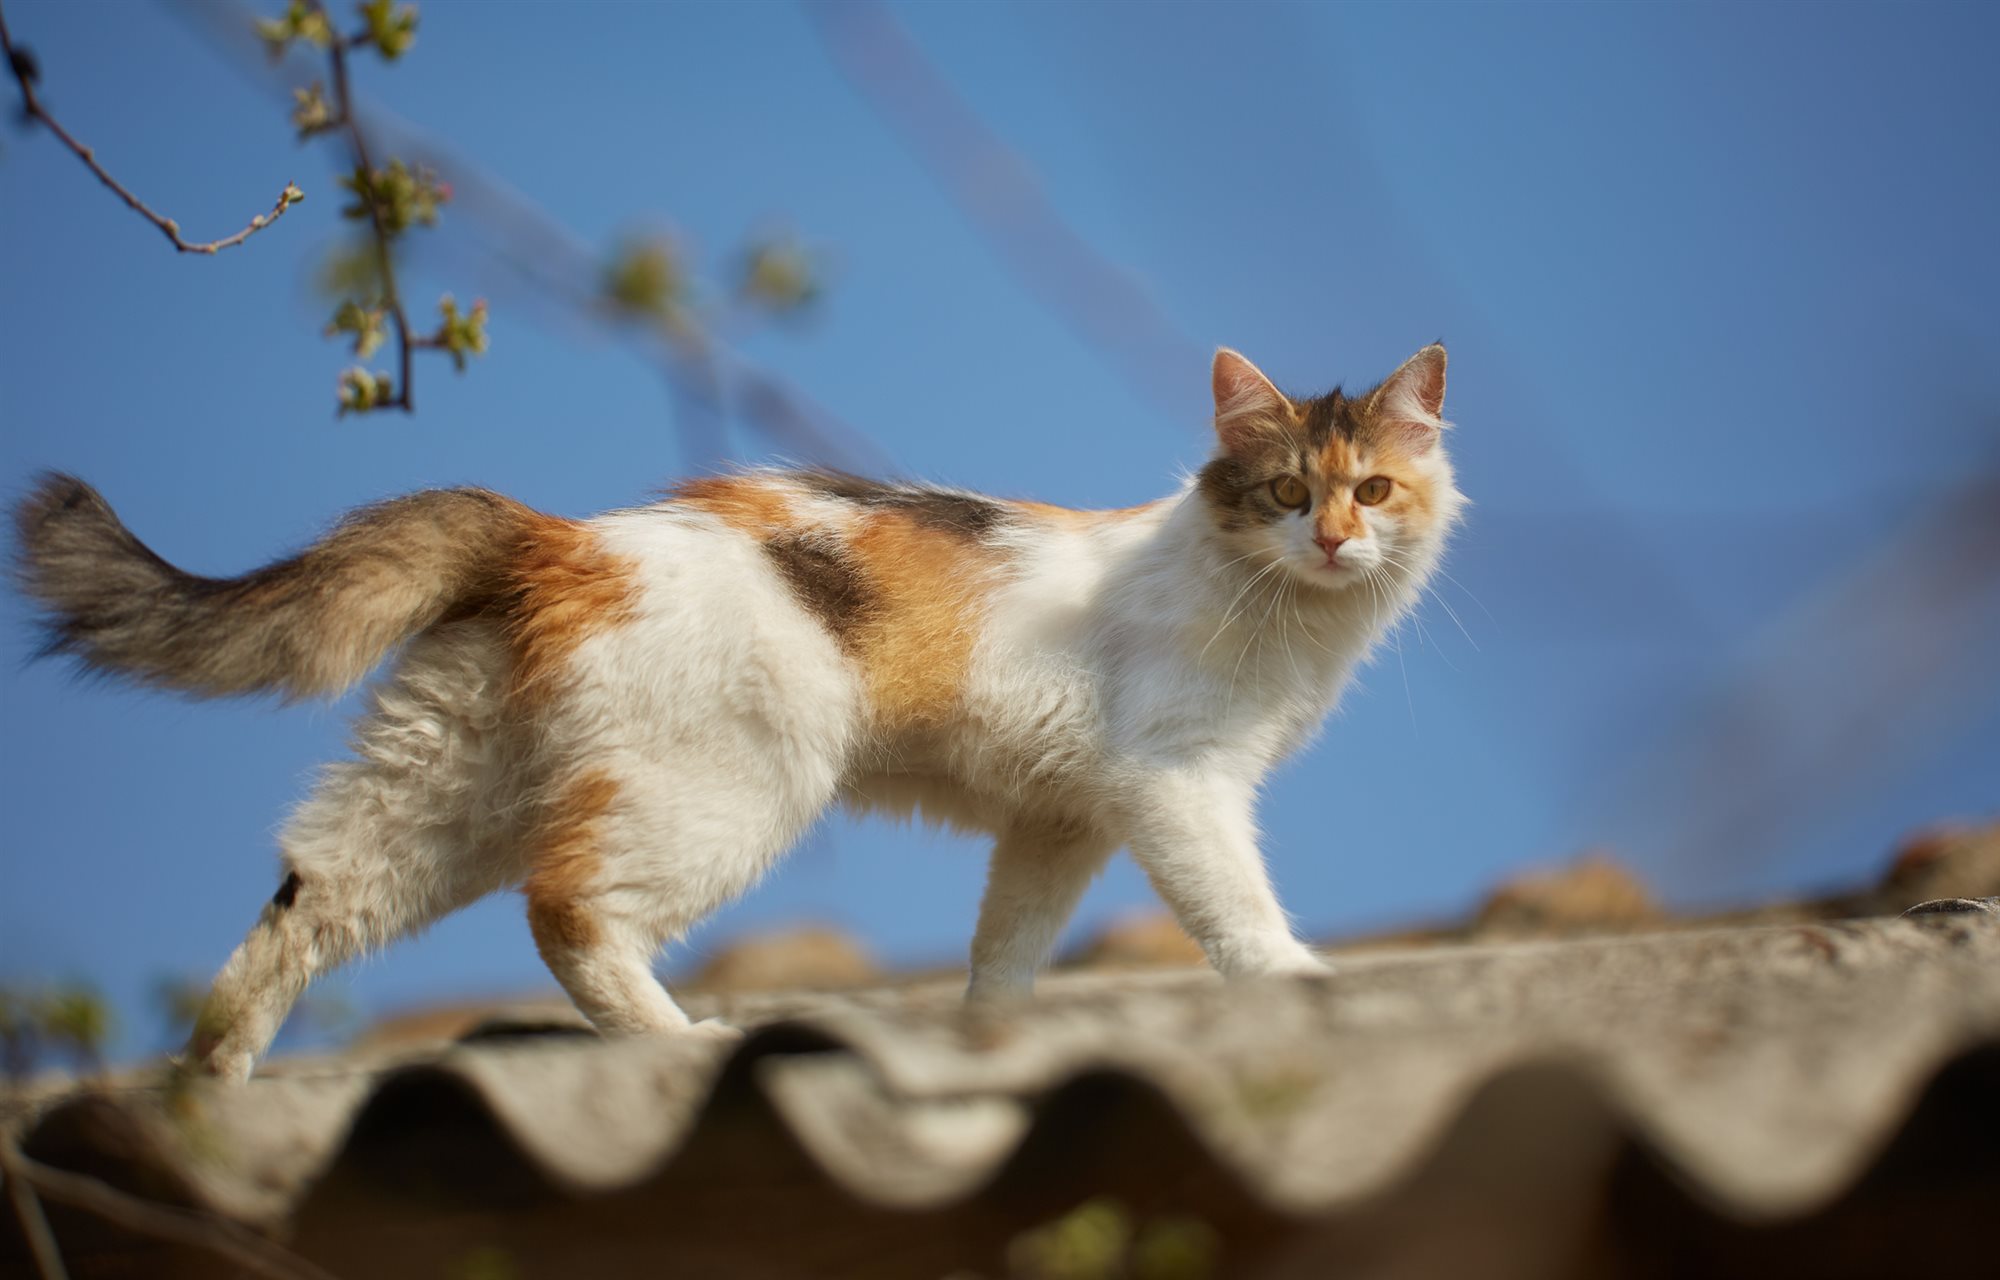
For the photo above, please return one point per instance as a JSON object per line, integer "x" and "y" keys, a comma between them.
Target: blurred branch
{"x": 570, "y": 281}
{"x": 26, "y": 72}
{"x": 1106, "y": 305}
{"x": 1847, "y": 678}
{"x": 513, "y": 238}
{"x": 207, "y": 1232}
{"x": 28, "y": 1210}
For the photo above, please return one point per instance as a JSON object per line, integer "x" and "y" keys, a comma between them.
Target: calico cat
{"x": 630, "y": 718}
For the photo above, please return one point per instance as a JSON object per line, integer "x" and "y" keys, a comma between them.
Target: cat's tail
{"x": 309, "y": 626}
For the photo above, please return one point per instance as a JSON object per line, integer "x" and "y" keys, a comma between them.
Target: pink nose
{"x": 1329, "y": 544}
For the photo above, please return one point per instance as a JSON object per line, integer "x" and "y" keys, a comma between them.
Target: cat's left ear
{"x": 1412, "y": 398}
{"x": 1245, "y": 400}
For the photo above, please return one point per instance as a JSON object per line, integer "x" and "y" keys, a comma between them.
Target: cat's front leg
{"x": 1192, "y": 831}
{"x": 1032, "y": 885}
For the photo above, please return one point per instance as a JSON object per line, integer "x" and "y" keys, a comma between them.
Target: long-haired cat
{"x": 630, "y": 718}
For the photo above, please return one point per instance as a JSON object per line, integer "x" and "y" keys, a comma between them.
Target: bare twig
{"x": 208, "y": 1232}
{"x": 22, "y": 65}
{"x": 28, "y": 1209}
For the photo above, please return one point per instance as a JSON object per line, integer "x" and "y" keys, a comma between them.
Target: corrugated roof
{"x": 1530, "y": 1109}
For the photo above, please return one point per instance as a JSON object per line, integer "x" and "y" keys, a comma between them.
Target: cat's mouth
{"x": 1338, "y": 573}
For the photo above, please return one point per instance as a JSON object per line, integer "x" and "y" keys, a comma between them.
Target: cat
{"x": 630, "y": 718}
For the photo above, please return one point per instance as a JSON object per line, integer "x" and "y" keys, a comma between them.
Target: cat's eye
{"x": 1290, "y": 491}
{"x": 1372, "y": 490}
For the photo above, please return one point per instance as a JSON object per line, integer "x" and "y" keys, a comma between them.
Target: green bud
{"x": 392, "y": 33}
{"x": 461, "y": 334}
{"x": 365, "y": 323}
{"x": 400, "y": 197}
{"x": 646, "y": 279}
{"x": 311, "y": 112}
{"x": 300, "y": 22}
{"x": 361, "y": 391}
{"x": 779, "y": 275}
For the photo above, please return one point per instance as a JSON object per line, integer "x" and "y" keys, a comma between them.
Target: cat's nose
{"x": 1329, "y": 544}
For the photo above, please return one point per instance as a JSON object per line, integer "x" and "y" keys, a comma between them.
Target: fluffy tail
{"x": 309, "y": 626}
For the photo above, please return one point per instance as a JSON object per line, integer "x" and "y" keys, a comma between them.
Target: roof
{"x": 1716, "y": 1101}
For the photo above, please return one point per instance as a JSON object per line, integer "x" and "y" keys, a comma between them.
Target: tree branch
{"x": 22, "y": 65}
{"x": 517, "y": 245}
{"x": 28, "y": 1209}
{"x": 216, "y": 1235}
{"x": 385, "y": 267}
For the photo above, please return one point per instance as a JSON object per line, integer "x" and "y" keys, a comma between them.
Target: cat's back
{"x": 937, "y": 599}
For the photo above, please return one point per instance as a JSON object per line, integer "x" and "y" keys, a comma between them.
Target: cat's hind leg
{"x": 625, "y": 861}
{"x": 387, "y": 843}
{"x": 688, "y": 744}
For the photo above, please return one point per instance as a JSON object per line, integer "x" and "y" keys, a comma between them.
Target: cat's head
{"x": 1334, "y": 487}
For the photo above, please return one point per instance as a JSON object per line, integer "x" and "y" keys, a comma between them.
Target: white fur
{"x": 1133, "y": 682}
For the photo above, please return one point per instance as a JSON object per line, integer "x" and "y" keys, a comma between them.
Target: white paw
{"x": 231, "y": 1068}
{"x": 1299, "y": 963}
{"x": 713, "y": 1029}
{"x": 1308, "y": 967}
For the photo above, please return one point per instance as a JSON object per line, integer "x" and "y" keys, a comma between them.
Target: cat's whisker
{"x": 1409, "y": 700}
{"x": 1439, "y": 571}
{"x": 1305, "y": 628}
{"x": 1401, "y": 560}
{"x": 1285, "y": 635}
{"x": 1231, "y": 612}
{"x": 1453, "y": 615}
{"x": 1258, "y": 640}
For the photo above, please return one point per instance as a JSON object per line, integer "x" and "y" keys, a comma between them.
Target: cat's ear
{"x": 1245, "y": 400}
{"x": 1412, "y": 398}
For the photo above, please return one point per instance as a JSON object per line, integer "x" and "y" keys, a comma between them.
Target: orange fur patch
{"x": 1342, "y": 465}
{"x": 900, "y": 593}
{"x": 915, "y": 643}
{"x": 1071, "y": 515}
{"x": 564, "y": 587}
{"x": 756, "y": 508}
{"x": 566, "y": 849}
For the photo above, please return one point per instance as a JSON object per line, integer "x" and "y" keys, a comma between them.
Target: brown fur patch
{"x": 566, "y": 852}
{"x": 563, "y": 587}
{"x": 898, "y": 589}
{"x": 825, "y": 581}
{"x": 946, "y": 510}
{"x": 914, "y": 643}
{"x": 1237, "y": 484}
{"x": 1325, "y": 419}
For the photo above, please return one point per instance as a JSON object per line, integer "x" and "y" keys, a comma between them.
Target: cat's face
{"x": 1336, "y": 490}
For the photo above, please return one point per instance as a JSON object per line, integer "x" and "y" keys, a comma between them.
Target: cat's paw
{"x": 1312, "y": 966}
{"x": 713, "y": 1029}
{"x": 1299, "y": 963}
{"x": 230, "y": 1068}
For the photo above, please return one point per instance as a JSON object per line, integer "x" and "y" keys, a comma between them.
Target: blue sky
{"x": 1717, "y": 283}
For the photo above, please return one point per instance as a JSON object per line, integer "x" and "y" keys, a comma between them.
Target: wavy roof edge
{"x": 1749, "y": 1079}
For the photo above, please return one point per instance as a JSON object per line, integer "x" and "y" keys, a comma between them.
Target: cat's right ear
{"x": 1245, "y": 400}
